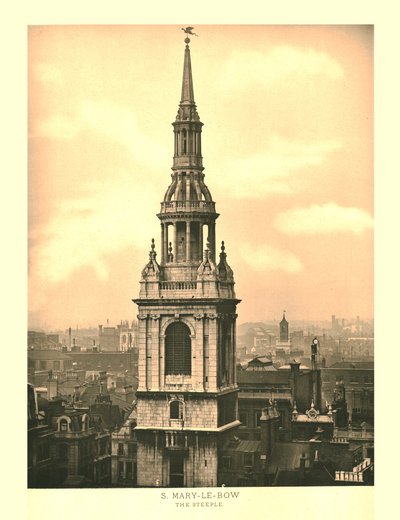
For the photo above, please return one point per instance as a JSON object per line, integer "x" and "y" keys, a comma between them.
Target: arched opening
{"x": 63, "y": 425}
{"x": 178, "y": 349}
{"x": 184, "y": 141}
{"x": 175, "y": 410}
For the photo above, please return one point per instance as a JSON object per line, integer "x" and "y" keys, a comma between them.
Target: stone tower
{"x": 187, "y": 394}
{"x": 284, "y": 329}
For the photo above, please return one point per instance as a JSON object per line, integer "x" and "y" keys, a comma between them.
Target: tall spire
{"x": 187, "y": 80}
{"x": 187, "y": 212}
{"x": 187, "y": 111}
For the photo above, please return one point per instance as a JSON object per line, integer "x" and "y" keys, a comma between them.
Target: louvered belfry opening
{"x": 178, "y": 350}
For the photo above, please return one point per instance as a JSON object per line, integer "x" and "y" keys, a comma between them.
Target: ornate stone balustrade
{"x": 178, "y": 286}
{"x": 193, "y": 205}
{"x": 348, "y": 476}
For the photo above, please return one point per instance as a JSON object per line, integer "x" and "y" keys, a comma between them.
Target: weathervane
{"x": 188, "y": 30}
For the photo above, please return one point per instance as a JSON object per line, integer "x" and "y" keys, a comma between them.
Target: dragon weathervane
{"x": 188, "y": 30}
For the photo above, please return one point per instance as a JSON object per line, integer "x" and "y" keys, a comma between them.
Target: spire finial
{"x": 188, "y": 30}
{"x": 222, "y": 246}
{"x": 152, "y": 252}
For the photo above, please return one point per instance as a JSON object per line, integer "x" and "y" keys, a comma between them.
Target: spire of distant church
{"x": 284, "y": 329}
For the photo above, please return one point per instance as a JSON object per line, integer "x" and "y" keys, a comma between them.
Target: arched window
{"x": 184, "y": 141}
{"x": 175, "y": 410}
{"x": 178, "y": 349}
{"x": 63, "y": 424}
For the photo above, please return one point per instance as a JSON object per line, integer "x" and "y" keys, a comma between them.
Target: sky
{"x": 287, "y": 147}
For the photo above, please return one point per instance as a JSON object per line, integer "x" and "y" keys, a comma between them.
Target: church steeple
{"x": 284, "y": 329}
{"x": 187, "y": 212}
{"x": 187, "y": 391}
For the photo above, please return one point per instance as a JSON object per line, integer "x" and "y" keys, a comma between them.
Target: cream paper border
{"x": 310, "y": 503}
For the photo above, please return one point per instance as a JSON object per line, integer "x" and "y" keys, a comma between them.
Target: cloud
{"x": 59, "y": 127}
{"x": 279, "y": 63}
{"x": 88, "y": 229}
{"x": 267, "y": 258}
{"x": 273, "y": 170}
{"x": 117, "y": 124}
{"x": 323, "y": 219}
{"x": 48, "y": 73}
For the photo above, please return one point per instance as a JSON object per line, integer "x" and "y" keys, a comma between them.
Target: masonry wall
{"x": 200, "y": 460}
{"x": 199, "y": 412}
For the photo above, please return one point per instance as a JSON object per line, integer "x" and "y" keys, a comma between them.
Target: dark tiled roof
{"x": 262, "y": 376}
{"x": 263, "y": 360}
{"x": 353, "y": 364}
{"x": 243, "y": 446}
{"x": 47, "y": 354}
{"x": 287, "y": 478}
{"x": 286, "y": 456}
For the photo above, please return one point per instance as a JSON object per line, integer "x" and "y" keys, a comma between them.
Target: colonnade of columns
{"x": 186, "y": 242}
{"x": 187, "y": 142}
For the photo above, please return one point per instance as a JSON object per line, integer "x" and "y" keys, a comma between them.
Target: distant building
{"x": 124, "y": 453}
{"x": 357, "y": 379}
{"x": 41, "y": 465}
{"x": 283, "y": 345}
{"x": 109, "y": 338}
{"x": 69, "y": 445}
{"x": 41, "y": 340}
{"x": 127, "y": 335}
{"x": 40, "y": 362}
{"x": 261, "y": 382}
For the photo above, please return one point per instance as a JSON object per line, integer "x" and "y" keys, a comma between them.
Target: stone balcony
{"x": 177, "y": 206}
{"x": 186, "y": 289}
{"x": 356, "y": 475}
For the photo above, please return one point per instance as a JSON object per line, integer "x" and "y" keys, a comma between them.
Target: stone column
{"x": 198, "y": 347}
{"x": 200, "y": 240}
{"x": 212, "y": 351}
{"x": 234, "y": 346}
{"x": 162, "y": 358}
{"x": 163, "y": 256}
{"x": 187, "y": 241}
{"x": 211, "y": 238}
{"x": 142, "y": 319}
{"x": 206, "y": 354}
{"x": 155, "y": 352}
{"x": 148, "y": 355}
{"x": 175, "y": 250}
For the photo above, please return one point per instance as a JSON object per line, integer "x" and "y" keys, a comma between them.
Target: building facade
{"x": 187, "y": 394}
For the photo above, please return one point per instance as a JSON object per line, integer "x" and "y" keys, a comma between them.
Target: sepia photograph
{"x": 201, "y": 258}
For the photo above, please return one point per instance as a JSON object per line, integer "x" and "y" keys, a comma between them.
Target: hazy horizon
{"x": 288, "y": 155}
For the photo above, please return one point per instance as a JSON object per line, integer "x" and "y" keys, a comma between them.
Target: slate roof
{"x": 263, "y": 376}
{"x": 353, "y": 365}
{"x": 47, "y": 354}
{"x": 286, "y": 477}
{"x": 243, "y": 446}
{"x": 286, "y": 456}
{"x": 262, "y": 359}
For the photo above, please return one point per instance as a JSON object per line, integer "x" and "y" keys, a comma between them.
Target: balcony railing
{"x": 176, "y": 441}
{"x": 178, "y": 286}
{"x": 188, "y": 205}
